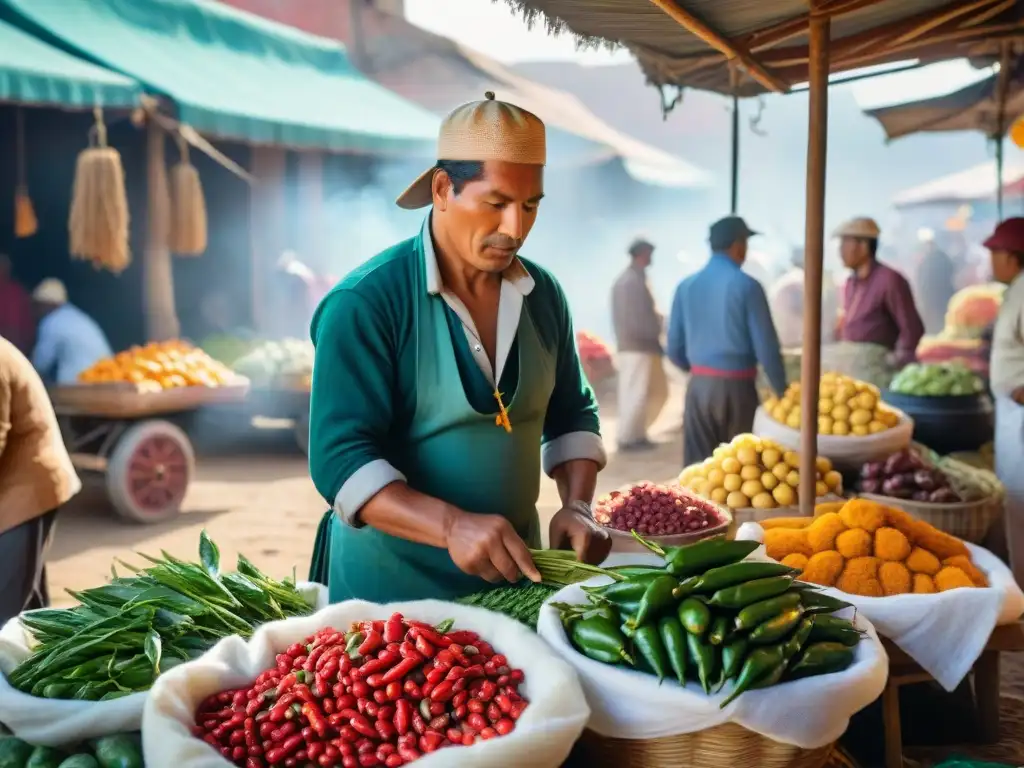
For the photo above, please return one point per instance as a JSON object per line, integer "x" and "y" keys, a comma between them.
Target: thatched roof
{"x": 753, "y": 46}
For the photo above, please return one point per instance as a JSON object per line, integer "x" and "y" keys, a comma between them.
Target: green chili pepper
{"x": 598, "y": 638}
{"x": 656, "y": 599}
{"x": 354, "y": 641}
{"x": 733, "y": 654}
{"x": 831, "y": 629}
{"x": 630, "y": 590}
{"x": 686, "y": 587}
{"x": 628, "y": 609}
{"x": 776, "y": 628}
{"x": 650, "y": 648}
{"x": 742, "y": 595}
{"x": 719, "y": 628}
{"x": 760, "y": 612}
{"x": 759, "y": 664}
{"x": 709, "y": 553}
{"x": 704, "y": 658}
{"x": 797, "y": 640}
{"x": 694, "y": 616}
{"x": 773, "y": 677}
{"x": 818, "y": 602}
{"x": 673, "y": 637}
{"x": 632, "y": 571}
{"x": 739, "y": 573}
{"x": 627, "y": 629}
{"x": 822, "y": 659}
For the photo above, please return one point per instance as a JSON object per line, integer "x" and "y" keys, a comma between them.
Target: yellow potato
{"x": 780, "y": 470}
{"x": 770, "y": 457}
{"x": 769, "y": 481}
{"x": 779, "y": 413}
{"x": 858, "y": 429}
{"x": 826, "y": 391}
{"x": 825, "y": 425}
{"x": 791, "y": 458}
{"x": 833, "y": 479}
{"x": 731, "y": 466}
{"x": 874, "y": 427}
{"x": 750, "y": 472}
{"x": 784, "y": 495}
{"x": 771, "y": 402}
{"x": 840, "y": 428}
{"x": 716, "y": 477}
{"x": 825, "y": 406}
{"x": 737, "y": 500}
{"x": 820, "y": 489}
{"x": 751, "y": 488}
{"x": 732, "y": 483}
{"x": 841, "y": 413}
{"x": 786, "y": 403}
{"x": 719, "y": 495}
{"x": 793, "y": 420}
{"x": 860, "y": 418}
{"x": 746, "y": 456}
{"x": 823, "y": 464}
{"x": 793, "y": 479}
{"x": 867, "y": 401}
{"x": 763, "y": 501}
{"x": 842, "y": 395}
{"x": 704, "y": 488}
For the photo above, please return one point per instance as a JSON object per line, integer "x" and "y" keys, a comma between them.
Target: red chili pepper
{"x": 253, "y": 762}
{"x": 376, "y": 680}
{"x": 475, "y": 670}
{"x": 407, "y": 649}
{"x": 401, "y": 669}
{"x": 379, "y": 664}
{"x": 403, "y": 716}
{"x": 424, "y": 647}
{"x": 393, "y": 690}
{"x": 431, "y": 741}
{"x": 385, "y": 730}
{"x": 418, "y": 723}
{"x": 313, "y": 658}
{"x": 463, "y": 637}
{"x": 394, "y": 629}
{"x": 373, "y": 641}
{"x": 362, "y": 726}
{"x": 428, "y": 634}
{"x": 277, "y": 712}
{"x": 412, "y": 690}
{"x": 436, "y": 675}
{"x": 443, "y": 691}
{"x": 316, "y": 718}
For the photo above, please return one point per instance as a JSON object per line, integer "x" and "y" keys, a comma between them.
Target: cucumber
{"x": 118, "y": 751}
{"x": 80, "y": 761}
{"x": 45, "y": 757}
{"x": 14, "y": 752}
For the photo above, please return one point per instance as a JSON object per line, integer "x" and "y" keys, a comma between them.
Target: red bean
{"x": 368, "y": 759}
{"x": 361, "y": 725}
{"x": 477, "y": 722}
{"x": 504, "y": 726}
{"x": 380, "y": 696}
{"x": 394, "y": 761}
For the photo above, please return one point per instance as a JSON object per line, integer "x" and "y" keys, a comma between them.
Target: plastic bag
{"x": 945, "y": 633}
{"x": 847, "y": 452}
{"x": 544, "y": 735}
{"x": 808, "y": 713}
{"x": 57, "y": 722}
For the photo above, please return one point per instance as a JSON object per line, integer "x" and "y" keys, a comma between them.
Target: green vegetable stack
{"x": 122, "y": 750}
{"x": 125, "y": 633}
{"x": 937, "y": 380}
{"x": 710, "y": 616}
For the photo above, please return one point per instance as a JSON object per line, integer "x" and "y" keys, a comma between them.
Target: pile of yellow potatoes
{"x": 846, "y": 406}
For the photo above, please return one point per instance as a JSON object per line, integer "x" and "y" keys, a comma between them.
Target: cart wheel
{"x": 302, "y": 432}
{"x": 149, "y": 471}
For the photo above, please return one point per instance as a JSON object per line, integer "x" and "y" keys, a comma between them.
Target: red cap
{"x": 1009, "y": 236}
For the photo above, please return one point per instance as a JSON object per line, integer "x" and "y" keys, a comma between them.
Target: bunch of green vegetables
{"x": 122, "y": 750}
{"x": 709, "y": 615}
{"x": 125, "y": 633}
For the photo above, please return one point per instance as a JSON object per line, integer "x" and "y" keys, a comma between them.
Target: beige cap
{"x": 51, "y": 291}
{"x": 859, "y": 227}
{"x": 481, "y": 131}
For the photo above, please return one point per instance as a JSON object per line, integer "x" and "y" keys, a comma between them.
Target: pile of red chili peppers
{"x": 382, "y": 694}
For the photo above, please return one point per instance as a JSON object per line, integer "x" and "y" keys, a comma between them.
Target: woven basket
{"x": 968, "y": 520}
{"x": 724, "y": 746}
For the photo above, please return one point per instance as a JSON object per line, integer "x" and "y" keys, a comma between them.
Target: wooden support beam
{"x": 157, "y": 270}
{"x": 696, "y": 27}
{"x": 941, "y": 18}
{"x": 814, "y": 250}
{"x": 777, "y": 33}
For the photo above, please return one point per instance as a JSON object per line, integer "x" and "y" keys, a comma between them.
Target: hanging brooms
{"x": 188, "y": 207}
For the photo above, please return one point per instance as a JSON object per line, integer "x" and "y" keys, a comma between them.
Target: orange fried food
{"x": 829, "y": 506}
{"x": 821, "y": 534}
{"x": 923, "y": 584}
{"x": 903, "y": 522}
{"x": 854, "y": 542}
{"x": 860, "y": 513}
{"x": 795, "y": 560}
{"x": 786, "y": 522}
{"x": 780, "y": 542}
{"x": 823, "y": 568}
{"x": 891, "y": 544}
{"x": 967, "y": 566}
{"x": 860, "y": 577}
{"x": 922, "y": 561}
{"x": 952, "y": 577}
{"x": 894, "y": 578}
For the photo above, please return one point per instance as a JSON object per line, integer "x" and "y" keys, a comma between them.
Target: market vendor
{"x": 68, "y": 341}
{"x": 878, "y": 305}
{"x": 1006, "y": 375}
{"x": 446, "y": 375}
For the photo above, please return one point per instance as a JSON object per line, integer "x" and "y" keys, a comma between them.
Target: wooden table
{"x": 905, "y": 671}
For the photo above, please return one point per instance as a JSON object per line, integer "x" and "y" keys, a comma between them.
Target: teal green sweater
{"x": 364, "y": 377}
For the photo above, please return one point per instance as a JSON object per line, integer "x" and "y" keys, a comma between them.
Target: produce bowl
{"x": 948, "y": 423}
{"x": 624, "y": 542}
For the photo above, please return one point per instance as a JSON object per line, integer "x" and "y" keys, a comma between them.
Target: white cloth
{"x": 1006, "y": 372}
{"x": 69, "y": 341}
{"x": 643, "y": 392}
{"x": 543, "y": 736}
{"x": 59, "y": 722}
{"x": 808, "y": 713}
{"x": 1009, "y": 449}
{"x": 944, "y": 633}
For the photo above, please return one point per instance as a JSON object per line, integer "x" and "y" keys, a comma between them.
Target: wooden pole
{"x": 814, "y": 240}
{"x": 157, "y": 272}
{"x": 735, "y": 181}
{"x": 267, "y": 226}
{"x": 312, "y": 220}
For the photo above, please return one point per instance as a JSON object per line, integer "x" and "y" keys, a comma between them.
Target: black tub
{"x": 949, "y": 423}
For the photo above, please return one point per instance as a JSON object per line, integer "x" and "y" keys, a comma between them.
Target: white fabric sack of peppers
{"x": 544, "y": 734}
{"x": 57, "y": 722}
{"x": 845, "y": 451}
{"x": 945, "y": 633}
{"x": 809, "y": 713}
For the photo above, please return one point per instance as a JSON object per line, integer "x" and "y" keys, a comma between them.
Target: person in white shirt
{"x": 786, "y": 300}
{"x": 68, "y": 340}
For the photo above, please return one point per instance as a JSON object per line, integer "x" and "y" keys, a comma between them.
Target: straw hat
{"x": 481, "y": 131}
{"x": 51, "y": 291}
{"x": 859, "y": 227}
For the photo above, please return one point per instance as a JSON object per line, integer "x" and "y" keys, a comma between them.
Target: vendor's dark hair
{"x": 461, "y": 172}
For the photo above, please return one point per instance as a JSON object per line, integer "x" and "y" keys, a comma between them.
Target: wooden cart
{"x": 285, "y": 398}
{"x": 137, "y": 441}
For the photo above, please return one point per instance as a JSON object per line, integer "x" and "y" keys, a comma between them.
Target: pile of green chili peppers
{"x": 710, "y": 616}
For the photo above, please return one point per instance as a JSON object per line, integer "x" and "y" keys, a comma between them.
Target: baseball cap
{"x": 727, "y": 231}
{"x": 862, "y": 226}
{"x": 480, "y": 131}
{"x": 51, "y": 291}
{"x": 1009, "y": 236}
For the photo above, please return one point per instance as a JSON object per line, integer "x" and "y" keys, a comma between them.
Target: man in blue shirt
{"x": 719, "y": 331}
{"x": 68, "y": 341}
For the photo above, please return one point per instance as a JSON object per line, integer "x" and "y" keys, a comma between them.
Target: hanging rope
{"x": 25, "y": 222}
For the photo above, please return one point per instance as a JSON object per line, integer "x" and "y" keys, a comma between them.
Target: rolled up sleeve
{"x": 572, "y": 427}
{"x": 350, "y": 409}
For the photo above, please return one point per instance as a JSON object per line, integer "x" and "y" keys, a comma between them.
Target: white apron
{"x": 1009, "y": 445}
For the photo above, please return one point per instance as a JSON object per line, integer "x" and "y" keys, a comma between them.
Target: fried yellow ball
{"x": 922, "y": 561}
{"x": 973, "y": 572}
{"x": 859, "y": 513}
{"x": 924, "y": 584}
{"x": 854, "y": 542}
{"x": 860, "y": 577}
{"x": 952, "y": 577}
{"x": 894, "y": 578}
{"x": 795, "y": 560}
{"x": 780, "y": 542}
{"x": 822, "y": 533}
{"x": 823, "y": 568}
{"x": 891, "y": 544}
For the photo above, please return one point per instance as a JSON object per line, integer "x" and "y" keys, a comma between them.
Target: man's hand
{"x": 489, "y": 547}
{"x": 572, "y": 527}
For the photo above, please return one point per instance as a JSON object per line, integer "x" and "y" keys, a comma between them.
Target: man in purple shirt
{"x": 878, "y": 306}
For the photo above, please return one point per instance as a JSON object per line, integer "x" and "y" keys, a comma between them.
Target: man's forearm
{"x": 400, "y": 511}
{"x": 576, "y": 480}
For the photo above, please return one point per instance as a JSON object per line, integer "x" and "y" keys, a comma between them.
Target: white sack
{"x": 543, "y": 736}
{"x": 845, "y": 451}
{"x": 57, "y": 722}
{"x": 808, "y": 713}
{"x": 945, "y": 633}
